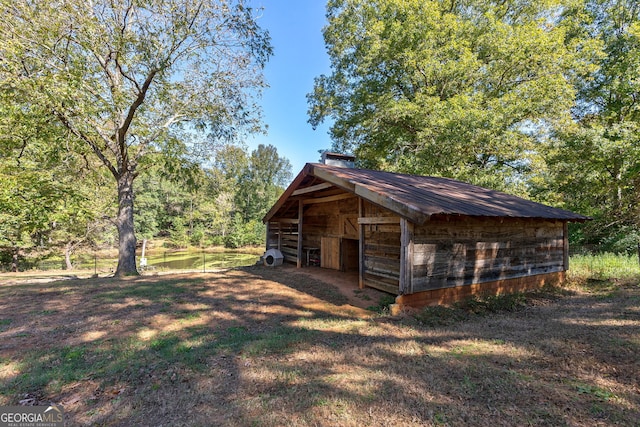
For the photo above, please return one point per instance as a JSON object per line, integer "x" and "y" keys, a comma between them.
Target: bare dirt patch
{"x": 270, "y": 346}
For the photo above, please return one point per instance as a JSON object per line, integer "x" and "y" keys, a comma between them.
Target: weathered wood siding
{"x": 335, "y": 219}
{"x": 381, "y": 245}
{"x": 463, "y": 251}
{"x": 330, "y": 219}
{"x": 283, "y": 235}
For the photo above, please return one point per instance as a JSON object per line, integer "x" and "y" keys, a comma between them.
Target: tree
{"x": 78, "y": 224}
{"x": 261, "y": 182}
{"x": 229, "y": 164}
{"x": 446, "y": 87}
{"x": 27, "y": 202}
{"x": 128, "y": 78}
{"x": 596, "y": 162}
{"x": 37, "y": 191}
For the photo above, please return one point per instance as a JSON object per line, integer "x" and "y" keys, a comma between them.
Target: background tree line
{"x": 222, "y": 204}
{"x": 217, "y": 203}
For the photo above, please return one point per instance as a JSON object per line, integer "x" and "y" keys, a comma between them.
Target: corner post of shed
{"x": 360, "y": 244}
{"x": 299, "y": 255}
{"x": 565, "y": 244}
{"x": 406, "y": 257}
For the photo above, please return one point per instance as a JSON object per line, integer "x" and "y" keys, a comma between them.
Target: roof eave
{"x": 306, "y": 171}
{"x": 403, "y": 209}
{"x": 406, "y": 211}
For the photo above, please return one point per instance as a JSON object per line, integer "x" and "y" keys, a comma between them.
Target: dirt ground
{"x": 282, "y": 346}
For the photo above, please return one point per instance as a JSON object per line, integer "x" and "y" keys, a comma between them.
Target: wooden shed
{"x": 427, "y": 240}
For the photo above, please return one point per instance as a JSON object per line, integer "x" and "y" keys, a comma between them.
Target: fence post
{"x": 204, "y": 262}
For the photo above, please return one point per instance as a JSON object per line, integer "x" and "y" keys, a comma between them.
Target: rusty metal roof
{"x": 419, "y": 197}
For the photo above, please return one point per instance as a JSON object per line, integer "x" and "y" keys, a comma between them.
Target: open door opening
{"x": 350, "y": 258}
{"x": 338, "y": 253}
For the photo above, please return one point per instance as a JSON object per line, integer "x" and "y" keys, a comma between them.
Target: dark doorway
{"x": 350, "y": 254}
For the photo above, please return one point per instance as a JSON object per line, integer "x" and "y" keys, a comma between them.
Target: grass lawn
{"x": 256, "y": 347}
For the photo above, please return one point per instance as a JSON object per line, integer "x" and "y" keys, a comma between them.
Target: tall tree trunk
{"x": 67, "y": 256}
{"x": 124, "y": 223}
{"x": 14, "y": 259}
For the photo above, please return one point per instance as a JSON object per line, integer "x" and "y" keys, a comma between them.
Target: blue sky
{"x": 299, "y": 56}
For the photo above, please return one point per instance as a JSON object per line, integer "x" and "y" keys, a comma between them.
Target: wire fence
{"x": 100, "y": 263}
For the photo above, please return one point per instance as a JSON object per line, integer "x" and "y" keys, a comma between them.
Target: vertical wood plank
{"x": 266, "y": 243}
{"x": 406, "y": 256}
{"x": 330, "y": 253}
{"x": 410, "y": 256}
{"x": 300, "y": 212}
{"x": 279, "y": 236}
{"x": 361, "y": 268}
{"x": 565, "y": 244}
{"x": 403, "y": 256}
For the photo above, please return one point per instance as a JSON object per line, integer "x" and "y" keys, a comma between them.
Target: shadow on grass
{"x": 238, "y": 348}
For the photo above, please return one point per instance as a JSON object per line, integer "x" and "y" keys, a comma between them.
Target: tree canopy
{"x": 441, "y": 87}
{"x": 595, "y": 162}
{"x": 128, "y": 78}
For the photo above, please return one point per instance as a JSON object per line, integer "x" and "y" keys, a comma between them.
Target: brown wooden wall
{"x": 463, "y": 251}
{"x": 330, "y": 219}
{"x": 381, "y": 248}
{"x": 443, "y": 253}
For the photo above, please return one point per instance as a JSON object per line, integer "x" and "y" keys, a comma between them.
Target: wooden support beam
{"x": 284, "y": 197}
{"x": 379, "y": 220}
{"x": 300, "y": 214}
{"x": 267, "y": 240}
{"x": 329, "y": 177}
{"x": 280, "y": 236}
{"x": 406, "y": 257}
{"x": 361, "y": 268}
{"x": 328, "y": 198}
{"x": 311, "y": 189}
{"x": 565, "y": 244}
{"x": 402, "y": 209}
{"x": 288, "y": 220}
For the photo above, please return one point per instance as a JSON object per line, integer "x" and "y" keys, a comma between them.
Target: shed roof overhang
{"x": 312, "y": 170}
{"x": 417, "y": 198}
